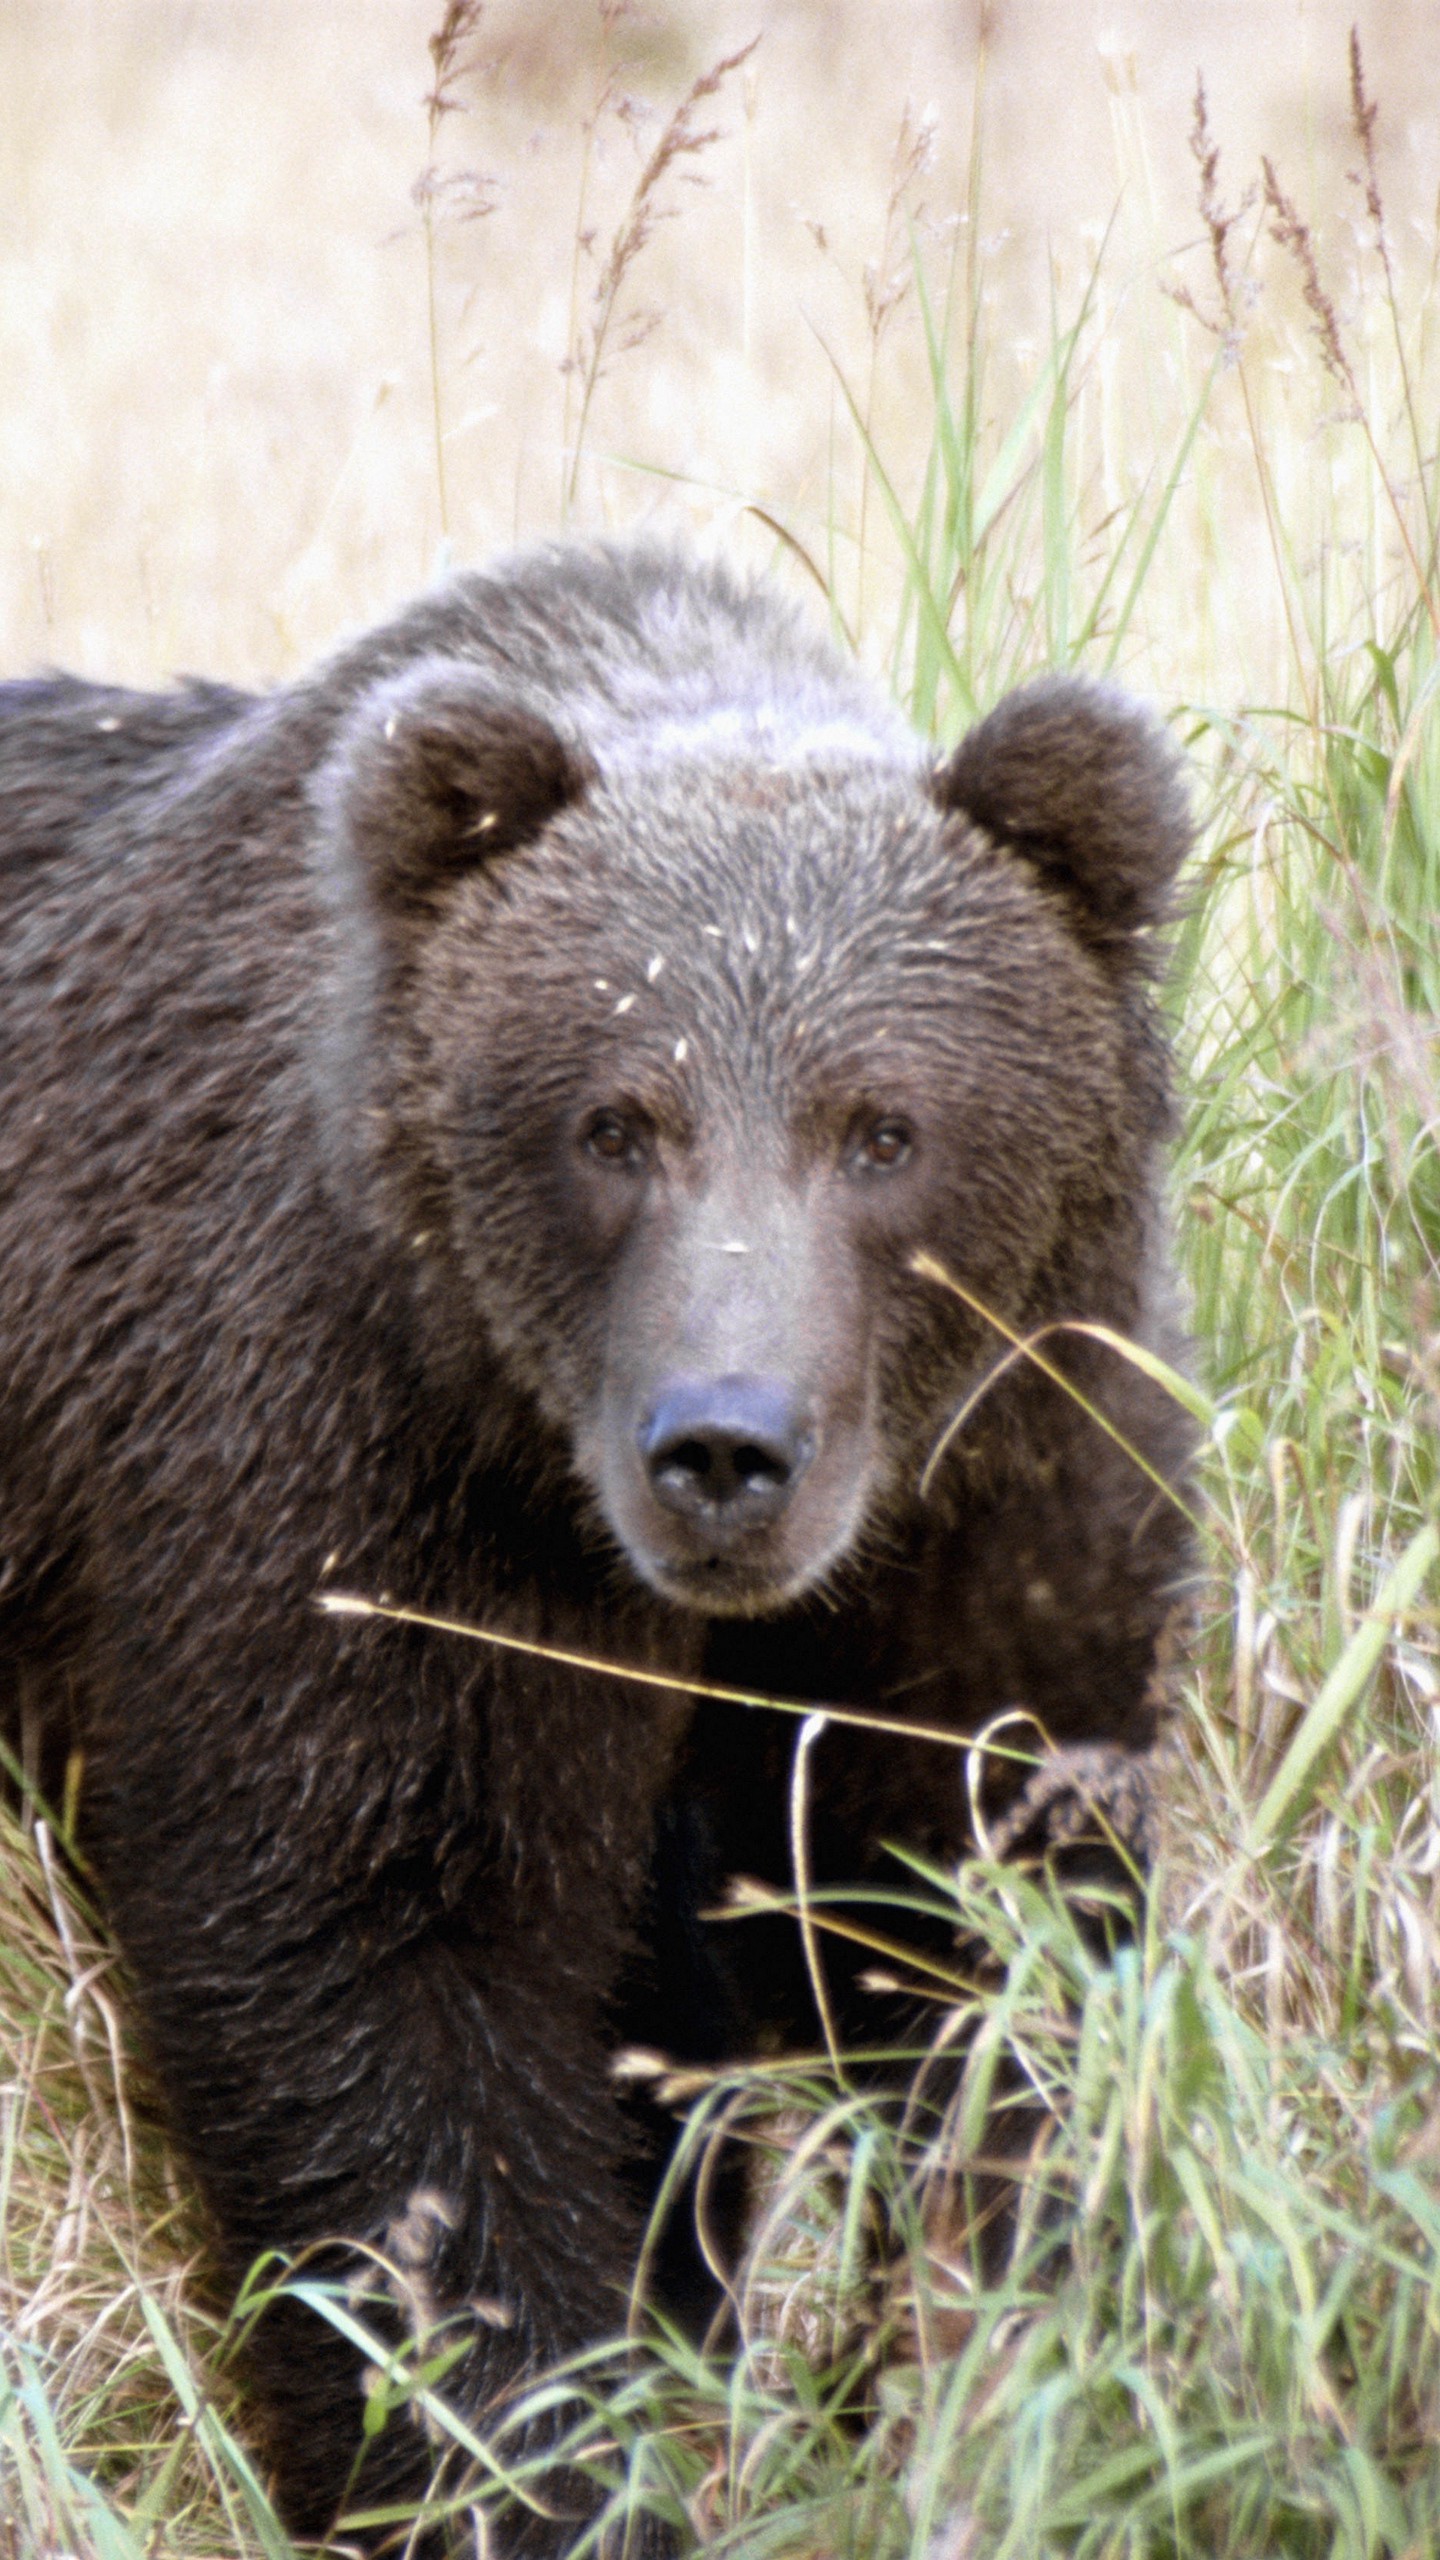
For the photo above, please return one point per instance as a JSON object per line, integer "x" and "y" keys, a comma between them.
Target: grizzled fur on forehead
{"x": 773, "y": 915}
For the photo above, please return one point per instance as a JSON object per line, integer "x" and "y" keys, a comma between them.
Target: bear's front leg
{"x": 459, "y": 2123}
{"x": 498, "y": 2228}
{"x": 390, "y": 2045}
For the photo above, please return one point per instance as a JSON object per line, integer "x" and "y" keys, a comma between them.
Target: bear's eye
{"x": 613, "y": 1137}
{"x": 883, "y": 1145}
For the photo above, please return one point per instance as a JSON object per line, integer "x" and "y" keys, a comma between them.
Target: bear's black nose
{"x": 728, "y": 1450}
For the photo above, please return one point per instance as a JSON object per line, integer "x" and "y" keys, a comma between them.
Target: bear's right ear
{"x": 435, "y": 774}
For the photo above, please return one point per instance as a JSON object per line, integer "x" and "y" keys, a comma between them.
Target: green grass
{"x": 1220, "y": 2336}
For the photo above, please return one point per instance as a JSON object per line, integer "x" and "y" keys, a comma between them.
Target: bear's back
{"x": 641, "y": 655}
{"x": 70, "y": 751}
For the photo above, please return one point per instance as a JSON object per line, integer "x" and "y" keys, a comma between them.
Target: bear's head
{"x": 664, "y": 1063}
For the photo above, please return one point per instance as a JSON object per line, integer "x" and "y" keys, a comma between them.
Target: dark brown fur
{"x": 431, "y": 1092}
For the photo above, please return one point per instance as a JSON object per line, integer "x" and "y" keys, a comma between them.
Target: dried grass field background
{"x": 217, "y": 446}
{"x": 996, "y": 343}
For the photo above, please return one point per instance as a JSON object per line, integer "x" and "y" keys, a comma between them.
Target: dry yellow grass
{"x": 216, "y": 449}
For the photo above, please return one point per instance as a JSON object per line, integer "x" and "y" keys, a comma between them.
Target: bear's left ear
{"x": 435, "y": 774}
{"x": 1085, "y": 786}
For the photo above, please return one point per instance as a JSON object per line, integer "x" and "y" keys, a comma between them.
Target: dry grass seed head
{"x": 679, "y": 141}
{"x": 1235, "y": 292}
{"x": 1363, "y": 113}
{"x": 1293, "y": 234}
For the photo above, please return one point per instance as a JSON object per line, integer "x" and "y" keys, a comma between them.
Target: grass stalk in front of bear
{"x": 1027, "y": 1347}
{"x": 344, "y": 1604}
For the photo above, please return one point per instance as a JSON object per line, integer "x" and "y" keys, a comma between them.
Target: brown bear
{"x": 471, "y": 1118}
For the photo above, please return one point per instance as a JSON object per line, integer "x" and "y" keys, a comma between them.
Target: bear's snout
{"x": 726, "y": 1451}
